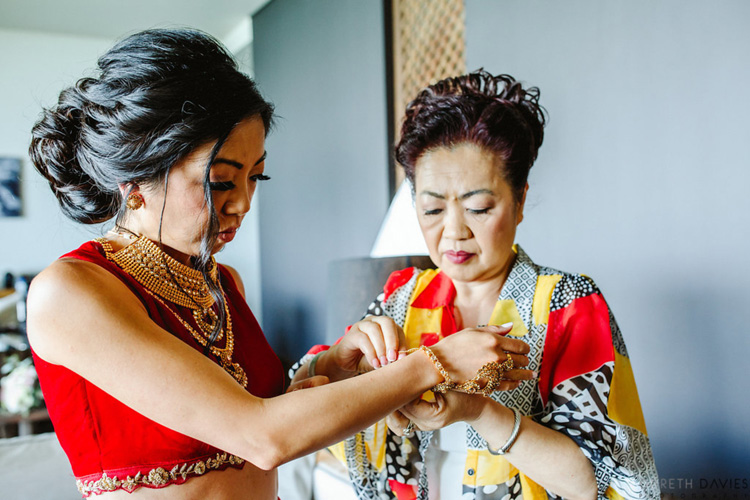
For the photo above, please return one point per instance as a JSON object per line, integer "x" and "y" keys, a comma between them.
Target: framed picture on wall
{"x": 10, "y": 187}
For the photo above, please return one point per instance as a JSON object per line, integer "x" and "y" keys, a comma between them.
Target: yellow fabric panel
{"x": 487, "y": 469}
{"x": 376, "y": 446}
{"x": 419, "y": 321}
{"x": 624, "y": 406}
{"x": 504, "y": 312}
{"x": 531, "y": 490}
{"x": 339, "y": 452}
{"x": 545, "y": 285}
{"x": 612, "y": 494}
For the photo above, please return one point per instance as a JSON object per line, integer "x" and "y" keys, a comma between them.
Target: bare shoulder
{"x": 70, "y": 296}
{"x": 237, "y": 279}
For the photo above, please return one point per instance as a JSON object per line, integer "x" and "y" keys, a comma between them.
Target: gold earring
{"x": 134, "y": 201}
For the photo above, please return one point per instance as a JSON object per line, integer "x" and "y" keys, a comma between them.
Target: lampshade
{"x": 400, "y": 234}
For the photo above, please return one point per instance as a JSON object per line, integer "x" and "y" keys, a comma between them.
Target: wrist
{"x": 427, "y": 369}
{"x": 327, "y": 365}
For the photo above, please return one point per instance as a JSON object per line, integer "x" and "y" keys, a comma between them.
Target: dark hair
{"x": 157, "y": 95}
{"x": 493, "y": 112}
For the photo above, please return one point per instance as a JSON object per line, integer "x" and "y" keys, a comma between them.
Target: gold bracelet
{"x": 492, "y": 372}
{"x": 447, "y": 382}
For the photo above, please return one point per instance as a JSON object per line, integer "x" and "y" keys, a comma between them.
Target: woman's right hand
{"x": 369, "y": 344}
{"x": 464, "y": 353}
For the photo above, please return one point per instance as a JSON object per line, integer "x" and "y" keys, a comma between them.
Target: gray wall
{"x": 322, "y": 63}
{"x": 642, "y": 184}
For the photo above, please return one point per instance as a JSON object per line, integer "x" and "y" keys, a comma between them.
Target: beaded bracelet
{"x": 492, "y": 372}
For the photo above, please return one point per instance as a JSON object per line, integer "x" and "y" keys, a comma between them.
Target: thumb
{"x": 503, "y": 329}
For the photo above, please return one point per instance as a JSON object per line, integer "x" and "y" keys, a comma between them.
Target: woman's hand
{"x": 464, "y": 353}
{"x": 371, "y": 343}
{"x": 447, "y": 408}
{"x": 308, "y": 382}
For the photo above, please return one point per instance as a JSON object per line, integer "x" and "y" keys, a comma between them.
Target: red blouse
{"x": 111, "y": 446}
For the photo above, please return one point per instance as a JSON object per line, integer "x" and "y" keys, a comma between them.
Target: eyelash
{"x": 436, "y": 211}
{"x": 229, "y": 185}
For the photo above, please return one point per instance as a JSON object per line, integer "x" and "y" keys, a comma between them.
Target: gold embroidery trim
{"x": 157, "y": 477}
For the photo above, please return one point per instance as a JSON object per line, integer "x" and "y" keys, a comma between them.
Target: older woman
{"x": 156, "y": 375}
{"x": 576, "y": 430}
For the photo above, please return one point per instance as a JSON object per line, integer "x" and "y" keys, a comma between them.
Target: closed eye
{"x": 259, "y": 177}
{"x": 221, "y": 186}
{"x": 478, "y": 211}
{"x": 434, "y": 211}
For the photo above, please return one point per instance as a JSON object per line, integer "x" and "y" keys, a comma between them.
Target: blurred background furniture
{"x": 35, "y": 467}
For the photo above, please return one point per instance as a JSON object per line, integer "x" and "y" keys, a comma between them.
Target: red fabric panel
{"x": 402, "y": 491}
{"x": 579, "y": 340}
{"x": 429, "y": 339}
{"x": 396, "y": 280}
{"x": 438, "y": 293}
{"x": 448, "y": 322}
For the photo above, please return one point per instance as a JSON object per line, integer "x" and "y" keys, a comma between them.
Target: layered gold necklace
{"x": 167, "y": 280}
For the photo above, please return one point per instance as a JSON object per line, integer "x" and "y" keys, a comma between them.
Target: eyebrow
{"x": 462, "y": 197}
{"x": 238, "y": 165}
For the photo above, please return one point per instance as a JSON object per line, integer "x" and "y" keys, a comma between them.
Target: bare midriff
{"x": 228, "y": 484}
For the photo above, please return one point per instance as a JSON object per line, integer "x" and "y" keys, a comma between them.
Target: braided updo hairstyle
{"x": 493, "y": 112}
{"x": 157, "y": 95}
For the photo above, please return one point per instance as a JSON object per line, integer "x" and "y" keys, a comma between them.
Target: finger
{"x": 397, "y": 422}
{"x": 519, "y": 359}
{"x": 307, "y": 383}
{"x": 365, "y": 346}
{"x": 512, "y": 345}
{"x": 519, "y": 374}
{"x": 503, "y": 329}
{"x": 393, "y": 336}
{"x": 508, "y": 385}
{"x": 420, "y": 410}
{"x": 374, "y": 332}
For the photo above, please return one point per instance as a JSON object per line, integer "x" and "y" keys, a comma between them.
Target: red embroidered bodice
{"x": 111, "y": 446}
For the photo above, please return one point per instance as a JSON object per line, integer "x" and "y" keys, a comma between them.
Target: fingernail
{"x": 507, "y": 325}
{"x": 534, "y": 374}
{"x": 392, "y": 355}
{"x": 375, "y": 363}
{"x": 383, "y": 360}
{"x": 401, "y": 355}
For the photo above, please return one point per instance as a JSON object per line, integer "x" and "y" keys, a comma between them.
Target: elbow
{"x": 266, "y": 454}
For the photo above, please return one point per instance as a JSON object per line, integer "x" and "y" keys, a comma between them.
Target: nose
{"x": 455, "y": 226}
{"x": 240, "y": 199}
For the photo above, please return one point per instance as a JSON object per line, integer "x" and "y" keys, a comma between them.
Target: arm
{"x": 548, "y": 457}
{"x": 100, "y": 330}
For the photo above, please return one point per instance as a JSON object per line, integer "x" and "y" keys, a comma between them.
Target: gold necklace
{"x": 157, "y": 271}
{"x": 166, "y": 279}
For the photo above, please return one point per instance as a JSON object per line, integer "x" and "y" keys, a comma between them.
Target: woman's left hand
{"x": 446, "y": 409}
{"x": 308, "y": 382}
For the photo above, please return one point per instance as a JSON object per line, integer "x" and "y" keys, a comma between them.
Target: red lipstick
{"x": 227, "y": 235}
{"x": 458, "y": 257}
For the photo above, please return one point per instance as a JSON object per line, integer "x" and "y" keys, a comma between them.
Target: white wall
{"x": 35, "y": 68}
{"x": 642, "y": 183}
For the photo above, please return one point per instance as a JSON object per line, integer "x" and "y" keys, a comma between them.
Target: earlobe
{"x": 132, "y": 194}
